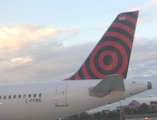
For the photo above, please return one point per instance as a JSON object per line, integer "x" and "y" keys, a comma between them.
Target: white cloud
{"x": 15, "y": 37}
{"x": 106, "y": 25}
{"x": 146, "y": 18}
{"x": 33, "y": 53}
{"x": 72, "y": 32}
{"x": 22, "y": 35}
{"x": 20, "y": 60}
{"x": 149, "y": 3}
{"x": 143, "y": 64}
{"x": 147, "y": 11}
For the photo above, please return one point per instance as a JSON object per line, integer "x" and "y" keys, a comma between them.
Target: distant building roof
{"x": 134, "y": 103}
{"x": 153, "y": 102}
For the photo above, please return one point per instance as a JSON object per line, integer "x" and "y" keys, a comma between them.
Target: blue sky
{"x": 49, "y": 40}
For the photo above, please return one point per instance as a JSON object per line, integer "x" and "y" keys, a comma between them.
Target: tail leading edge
{"x": 112, "y": 53}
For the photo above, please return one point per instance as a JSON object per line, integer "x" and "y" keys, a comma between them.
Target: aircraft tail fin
{"x": 112, "y": 53}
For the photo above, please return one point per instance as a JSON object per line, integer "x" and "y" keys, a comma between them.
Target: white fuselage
{"x": 51, "y": 100}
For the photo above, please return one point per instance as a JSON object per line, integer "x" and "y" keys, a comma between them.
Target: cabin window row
{"x": 21, "y": 96}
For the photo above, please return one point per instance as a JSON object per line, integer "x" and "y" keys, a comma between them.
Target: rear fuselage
{"x": 51, "y": 100}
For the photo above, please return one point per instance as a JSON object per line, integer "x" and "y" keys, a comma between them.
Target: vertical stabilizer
{"x": 112, "y": 53}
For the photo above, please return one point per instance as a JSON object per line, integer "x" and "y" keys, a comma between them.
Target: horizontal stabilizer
{"x": 108, "y": 84}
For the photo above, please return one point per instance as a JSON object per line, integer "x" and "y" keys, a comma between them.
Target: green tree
{"x": 144, "y": 108}
{"x": 85, "y": 115}
{"x": 97, "y": 115}
{"x": 113, "y": 116}
{"x": 104, "y": 115}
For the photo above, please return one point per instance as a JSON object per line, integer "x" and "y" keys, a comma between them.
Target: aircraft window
{"x": 9, "y": 97}
{"x": 34, "y": 95}
{"x": 29, "y": 95}
{"x": 14, "y": 96}
{"x": 4, "y": 97}
{"x": 24, "y": 96}
{"x": 19, "y": 96}
{"x": 40, "y": 95}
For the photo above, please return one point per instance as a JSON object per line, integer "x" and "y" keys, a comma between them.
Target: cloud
{"x": 149, "y": 3}
{"x": 46, "y": 62}
{"x": 20, "y": 60}
{"x": 106, "y": 25}
{"x": 146, "y": 18}
{"x": 72, "y": 32}
{"x": 24, "y": 34}
{"x": 143, "y": 64}
{"x": 30, "y": 52}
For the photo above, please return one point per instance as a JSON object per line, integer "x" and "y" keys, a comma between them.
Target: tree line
{"x": 112, "y": 115}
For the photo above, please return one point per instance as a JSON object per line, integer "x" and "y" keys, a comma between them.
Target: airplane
{"x": 99, "y": 81}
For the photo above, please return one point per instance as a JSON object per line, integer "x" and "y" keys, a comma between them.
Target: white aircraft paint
{"x": 58, "y": 99}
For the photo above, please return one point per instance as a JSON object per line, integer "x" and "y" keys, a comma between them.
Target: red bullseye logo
{"x": 98, "y": 66}
{"x": 104, "y": 57}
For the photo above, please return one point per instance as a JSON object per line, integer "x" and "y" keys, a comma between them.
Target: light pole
{"x": 108, "y": 107}
{"x": 120, "y": 110}
{"x": 91, "y": 113}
